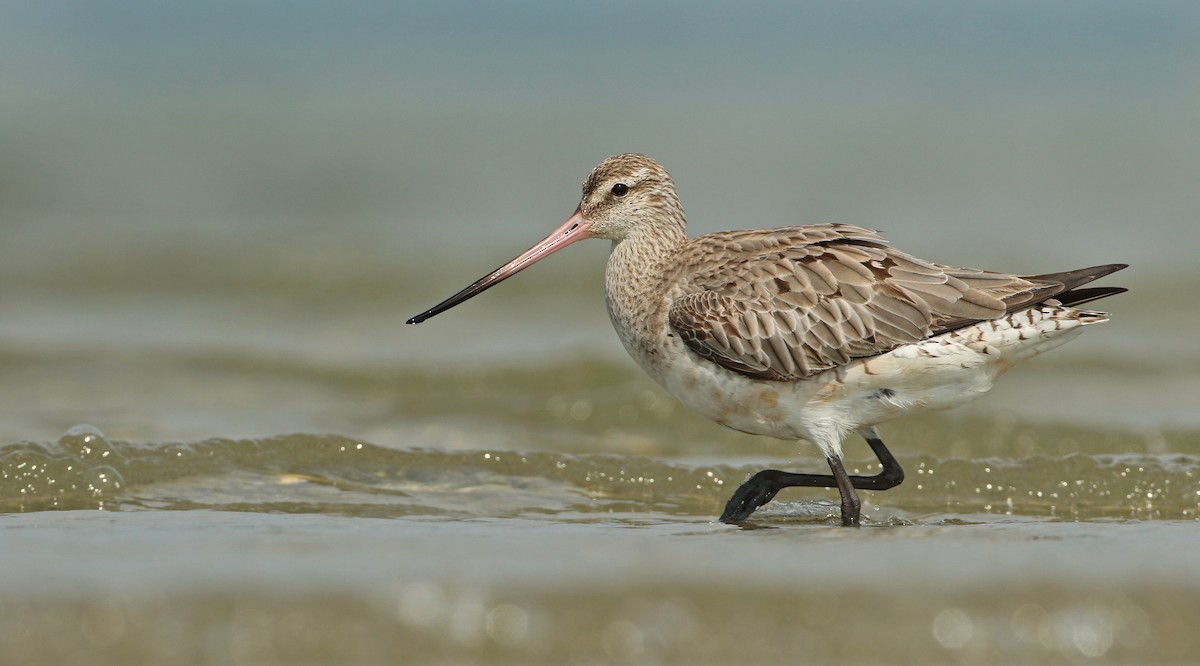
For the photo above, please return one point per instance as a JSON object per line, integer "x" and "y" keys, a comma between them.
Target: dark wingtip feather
{"x": 1081, "y": 296}
{"x": 1062, "y": 288}
{"x": 1078, "y": 277}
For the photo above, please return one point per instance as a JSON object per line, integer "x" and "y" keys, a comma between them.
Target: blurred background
{"x": 216, "y": 216}
{"x": 296, "y": 178}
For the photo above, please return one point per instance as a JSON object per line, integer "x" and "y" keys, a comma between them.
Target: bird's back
{"x": 788, "y": 303}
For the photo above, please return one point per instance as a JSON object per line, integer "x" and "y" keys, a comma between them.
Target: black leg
{"x": 762, "y": 487}
{"x": 851, "y": 506}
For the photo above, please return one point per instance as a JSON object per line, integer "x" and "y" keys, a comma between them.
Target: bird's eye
{"x": 620, "y": 189}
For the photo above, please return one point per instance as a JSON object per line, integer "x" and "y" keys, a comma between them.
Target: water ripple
{"x": 304, "y": 473}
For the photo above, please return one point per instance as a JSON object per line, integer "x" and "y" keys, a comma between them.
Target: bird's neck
{"x": 635, "y": 284}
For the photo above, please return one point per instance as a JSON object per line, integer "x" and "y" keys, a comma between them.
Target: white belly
{"x": 938, "y": 373}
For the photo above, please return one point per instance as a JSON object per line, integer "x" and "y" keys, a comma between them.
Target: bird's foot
{"x": 755, "y": 492}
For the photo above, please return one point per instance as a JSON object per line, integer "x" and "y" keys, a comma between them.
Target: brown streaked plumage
{"x": 808, "y": 332}
{"x": 785, "y": 304}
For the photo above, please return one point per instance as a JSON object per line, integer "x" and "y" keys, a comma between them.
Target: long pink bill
{"x": 575, "y": 228}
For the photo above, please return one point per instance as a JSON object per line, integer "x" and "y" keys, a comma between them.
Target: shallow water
{"x": 551, "y": 527}
{"x": 643, "y": 587}
{"x": 220, "y": 444}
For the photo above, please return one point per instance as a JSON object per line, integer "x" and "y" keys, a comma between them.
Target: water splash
{"x": 341, "y": 476}
{"x": 81, "y": 469}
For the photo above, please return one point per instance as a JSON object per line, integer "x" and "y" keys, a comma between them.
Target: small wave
{"x": 331, "y": 474}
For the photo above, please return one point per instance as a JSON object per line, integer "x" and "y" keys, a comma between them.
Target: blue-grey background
{"x": 297, "y": 178}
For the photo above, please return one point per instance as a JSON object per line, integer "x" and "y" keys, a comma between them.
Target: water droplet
{"x": 953, "y": 628}
{"x": 580, "y": 410}
{"x": 507, "y": 624}
{"x": 84, "y": 431}
{"x": 422, "y": 604}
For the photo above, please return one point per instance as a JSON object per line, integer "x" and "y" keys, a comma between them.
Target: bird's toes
{"x": 744, "y": 502}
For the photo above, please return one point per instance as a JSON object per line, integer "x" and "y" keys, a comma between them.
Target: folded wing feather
{"x": 789, "y": 303}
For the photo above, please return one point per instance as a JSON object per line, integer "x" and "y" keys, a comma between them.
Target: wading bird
{"x": 802, "y": 333}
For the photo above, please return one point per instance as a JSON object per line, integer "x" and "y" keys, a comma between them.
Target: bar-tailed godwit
{"x": 802, "y": 333}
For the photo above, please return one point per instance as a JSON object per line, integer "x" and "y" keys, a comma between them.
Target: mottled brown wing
{"x": 789, "y": 303}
